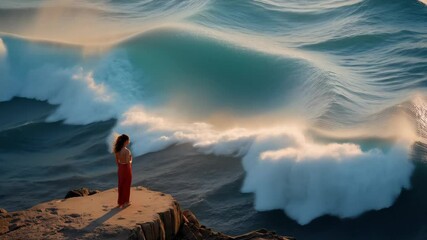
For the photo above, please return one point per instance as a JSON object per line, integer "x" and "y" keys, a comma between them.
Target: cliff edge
{"x": 152, "y": 216}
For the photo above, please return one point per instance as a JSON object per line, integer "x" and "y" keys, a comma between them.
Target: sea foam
{"x": 308, "y": 180}
{"x": 284, "y": 169}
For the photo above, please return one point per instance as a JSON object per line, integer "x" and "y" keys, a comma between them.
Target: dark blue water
{"x": 304, "y": 117}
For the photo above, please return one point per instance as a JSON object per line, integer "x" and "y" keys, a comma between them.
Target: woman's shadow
{"x": 99, "y": 221}
{"x": 70, "y": 232}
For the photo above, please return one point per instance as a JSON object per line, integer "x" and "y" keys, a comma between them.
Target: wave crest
{"x": 309, "y": 180}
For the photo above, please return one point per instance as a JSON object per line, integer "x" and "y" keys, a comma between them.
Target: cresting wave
{"x": 286, "y": 170}
{"x": 285, "y": 167}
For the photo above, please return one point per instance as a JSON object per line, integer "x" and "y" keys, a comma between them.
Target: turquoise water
{"x": 304, "y": 117}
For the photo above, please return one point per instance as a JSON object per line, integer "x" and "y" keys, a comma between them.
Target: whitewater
{"x": 320, "y": 104}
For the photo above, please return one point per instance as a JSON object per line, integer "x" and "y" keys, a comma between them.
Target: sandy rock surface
{"x": 152, "y": 215}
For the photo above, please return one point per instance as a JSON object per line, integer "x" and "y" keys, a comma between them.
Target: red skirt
{"x": 125, "y": 179}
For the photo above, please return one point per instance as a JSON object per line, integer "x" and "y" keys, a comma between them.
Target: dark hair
{"x": 120, "y": 142}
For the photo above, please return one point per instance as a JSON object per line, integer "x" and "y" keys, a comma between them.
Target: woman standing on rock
{"x": 124, "y": 164}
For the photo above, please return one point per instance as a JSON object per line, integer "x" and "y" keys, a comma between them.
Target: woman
{"x": 124, "y": 164}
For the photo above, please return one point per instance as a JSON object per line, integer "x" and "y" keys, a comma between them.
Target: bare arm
{"x": 128, "y": 156}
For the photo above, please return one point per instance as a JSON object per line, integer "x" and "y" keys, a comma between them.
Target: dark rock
{"x": 4, "y": 213}
{"x": 262, "y": 234}
{"x": 4, "y": 226}
{"x": 192, "y": 230}
{"x": 137, "y": 233}
{"x": 148, "y": 230}
{"x": 91, "y": 192}
{"x": 15, "y": 226}
{"x": 191, "y": 218}
{"x": 80, "y": 192}
{"x": 167, "y": 222}
{"x": 15, "y": 220}
{"x": 186, "y": 233}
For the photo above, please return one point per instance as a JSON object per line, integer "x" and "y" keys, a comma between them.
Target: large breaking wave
{"x": 302, "y": 123}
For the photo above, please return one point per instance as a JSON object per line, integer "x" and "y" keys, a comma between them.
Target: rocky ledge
{"x": 152, "y": 216}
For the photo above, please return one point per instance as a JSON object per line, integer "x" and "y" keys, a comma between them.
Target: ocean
{"x": 308, "y": 118}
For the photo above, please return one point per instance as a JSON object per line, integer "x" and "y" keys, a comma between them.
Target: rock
{"x": 152, "y": 216}
{"x": 80, "y": 193}
{"x": 3, "y": 215}
{"x": 15, "y": 226}
{"x": 191, "y": 229}
{"x": 4, "y": 226}
{"x": 91, "y": 192}
{"x": 187, "y": 233}
{"x": 262, "y": 234}
{"x": 191, "y": 218}
{"x": 166, "y": 218}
